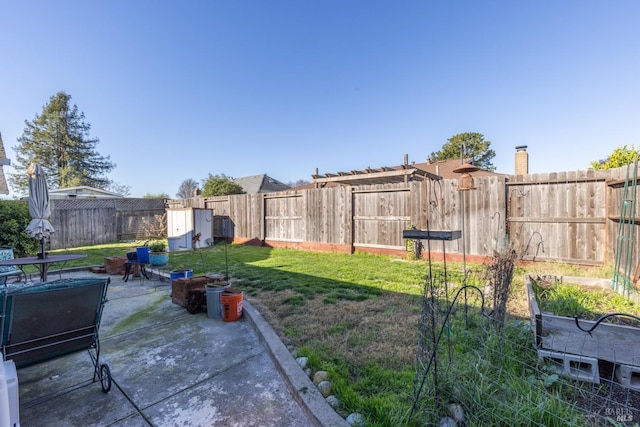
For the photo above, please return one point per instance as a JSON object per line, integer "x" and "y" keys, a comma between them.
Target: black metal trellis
{"x": 429, "y": 341}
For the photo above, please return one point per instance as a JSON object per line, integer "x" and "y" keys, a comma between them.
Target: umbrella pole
{"x": 42, "y": 248}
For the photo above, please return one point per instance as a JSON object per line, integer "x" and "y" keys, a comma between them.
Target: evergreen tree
{"x": 475, "y": 147}
{"x": 58, "y": 140}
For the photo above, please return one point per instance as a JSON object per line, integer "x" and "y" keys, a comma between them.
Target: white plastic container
{"x": 9, "y": 404}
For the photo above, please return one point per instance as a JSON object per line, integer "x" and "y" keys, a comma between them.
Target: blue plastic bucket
{"x": 180, "y": 274}
{"x": 143, "y": 254}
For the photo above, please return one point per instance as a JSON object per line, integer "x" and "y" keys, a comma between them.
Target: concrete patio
{"x": 171, "y": 368}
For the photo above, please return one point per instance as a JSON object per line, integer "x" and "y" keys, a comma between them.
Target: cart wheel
{"x": 105, "y": 378}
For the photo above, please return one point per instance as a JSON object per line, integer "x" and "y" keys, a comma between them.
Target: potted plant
{"x": 158, "y": 254}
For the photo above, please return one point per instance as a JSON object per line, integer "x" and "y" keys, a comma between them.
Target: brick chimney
{"x": 522, "y": 160}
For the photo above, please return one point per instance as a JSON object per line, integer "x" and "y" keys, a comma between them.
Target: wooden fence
{"x": 565, "y": 216}
{"x": 85, "y": 222}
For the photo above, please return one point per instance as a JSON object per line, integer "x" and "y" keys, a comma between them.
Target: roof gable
{"x": 262, "y": 183}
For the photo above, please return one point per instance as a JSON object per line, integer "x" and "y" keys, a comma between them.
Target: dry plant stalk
{"x": 156, "y": 228}
{"x": 499, "y": 274}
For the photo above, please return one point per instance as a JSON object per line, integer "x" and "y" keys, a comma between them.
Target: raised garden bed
{"x": 115, "y": 265}
{"x": 189, "y": 292}
{"x": 576, "y": 349}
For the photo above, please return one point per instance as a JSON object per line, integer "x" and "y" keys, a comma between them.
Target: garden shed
{"x": 189, "y": 228}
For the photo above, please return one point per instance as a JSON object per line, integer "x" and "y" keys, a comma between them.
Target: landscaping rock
{"x": 320, "y": 376}
{"x": 456, "y": 412}
{"x": 333, "y": 401}
{"x": 447, "y": 422}
{"x": 325, "y": 388}
{"x": 355, "y": 419}
{"x": 302, "y": 361}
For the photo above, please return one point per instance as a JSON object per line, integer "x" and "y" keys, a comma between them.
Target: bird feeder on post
{"x": 465, "y": 182}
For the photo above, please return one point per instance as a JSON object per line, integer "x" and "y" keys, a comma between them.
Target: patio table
{"x": 41, "y": 263}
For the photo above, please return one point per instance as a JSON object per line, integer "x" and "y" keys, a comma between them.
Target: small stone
{"x": 333, "y": 401}
{"x": 355, "y": 419}
{"x": 325, "y": 388}
{"x": 320, "y": 376}
{"x": 308, "y": 372}
{"x": 456, "y": 412}
{"x": 447, "y": 422}
{"x": 302, "y": 361}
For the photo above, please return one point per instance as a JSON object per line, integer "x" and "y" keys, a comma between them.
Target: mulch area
{"x": 609, "y": 399}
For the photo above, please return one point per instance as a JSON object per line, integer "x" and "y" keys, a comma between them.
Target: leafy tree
{"x": 220, "y": 185}
{"x": 14, "y": 218}
{"x": 58, "y": 139}
{"x": 475, "y": 147}
{"x": 187, "y": 189}
{"x": 156, "y": 196}
{"x": 621, "y": 156}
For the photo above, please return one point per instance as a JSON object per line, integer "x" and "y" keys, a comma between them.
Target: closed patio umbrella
{"x": 39, "y": 208}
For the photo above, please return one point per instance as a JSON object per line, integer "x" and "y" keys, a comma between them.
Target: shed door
{"x": 203, "y": 219}
{"x": 180, "y": 225}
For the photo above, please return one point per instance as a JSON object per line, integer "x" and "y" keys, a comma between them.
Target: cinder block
{"x": 554, "y": 360}
{"x": 580, "y": 368}
{"x": 628, "y": 376}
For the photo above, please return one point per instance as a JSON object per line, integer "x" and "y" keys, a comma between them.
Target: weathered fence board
{"x": 284, "y": 217}
{"x": 380, "y": 214}
{"x": 85, "y": 222}
{"x": 559, "y": 216}
{"x": 327, "y": 214}
{"x": 223, "y": 227}
{"x": 247, "y": 216}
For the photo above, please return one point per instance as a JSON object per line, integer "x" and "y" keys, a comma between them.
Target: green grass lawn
{"x": 358, "y": 317}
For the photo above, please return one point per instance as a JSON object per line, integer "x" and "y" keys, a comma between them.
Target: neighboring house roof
{"x": 393, "y": 174}
{"x": 83, "y": 192}
{"x": 260, "y": 184}
{"x": 4, "y": 188}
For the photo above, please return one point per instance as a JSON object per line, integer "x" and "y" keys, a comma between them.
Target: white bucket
{"x": 9, "y": 406}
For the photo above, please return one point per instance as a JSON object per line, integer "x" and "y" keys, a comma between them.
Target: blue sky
{"x": 181, "y": 89}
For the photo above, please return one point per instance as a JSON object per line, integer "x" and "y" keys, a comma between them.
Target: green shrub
{"x": 14, "y": 219}
{"x": 157, "y": 246}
